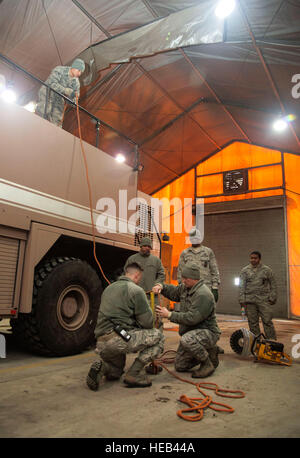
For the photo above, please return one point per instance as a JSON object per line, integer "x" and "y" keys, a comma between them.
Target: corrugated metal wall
{"x": 232, "y": 236}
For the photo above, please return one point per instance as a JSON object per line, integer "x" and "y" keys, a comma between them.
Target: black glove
{"x": 216, "y": 294}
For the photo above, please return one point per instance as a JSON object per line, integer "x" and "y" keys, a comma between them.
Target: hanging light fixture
{"x": 120, "y": 158}
{"x": 280, "y": 125}
{"x": 8, "y": 94}
{"x": 224, "y": 8}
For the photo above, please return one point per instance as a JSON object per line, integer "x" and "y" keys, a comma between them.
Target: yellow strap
{"x": 152, "y": 304}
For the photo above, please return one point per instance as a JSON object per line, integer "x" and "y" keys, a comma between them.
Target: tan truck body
{"x": 44, "y": 199}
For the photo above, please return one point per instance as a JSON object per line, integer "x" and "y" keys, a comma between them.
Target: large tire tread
{"x": 25, "y": 327}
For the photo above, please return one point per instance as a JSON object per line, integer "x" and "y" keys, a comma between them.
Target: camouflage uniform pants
{"x": 193, "y": 348}
{"x": 112, "y": 349}
{"x": 263, "y": 310}
{"x": 54, "y": 112}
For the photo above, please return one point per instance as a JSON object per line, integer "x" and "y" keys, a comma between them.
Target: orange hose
{"x": 90, "y": 192}
{"x": 198, "y": 405}
{"x": 63, "y": 115}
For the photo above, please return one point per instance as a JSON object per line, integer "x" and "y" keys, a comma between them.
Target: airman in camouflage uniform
{"x": 154, "y": 273}
{"x": 257, "y": 294}
{"x": 124, "y": 303}
{"x": 198, "y": 326}
{"x": 64, "y": 80}
{"x": 205, "y": 259}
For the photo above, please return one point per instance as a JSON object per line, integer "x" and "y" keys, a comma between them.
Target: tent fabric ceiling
{"x": 180, "y": 105}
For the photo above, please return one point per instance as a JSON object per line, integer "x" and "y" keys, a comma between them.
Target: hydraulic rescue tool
{"x": 245, "y": 343}
{"x": 153, "y": 368}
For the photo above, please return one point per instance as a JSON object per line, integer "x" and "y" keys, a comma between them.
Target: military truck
{"x": 50, "y": 282}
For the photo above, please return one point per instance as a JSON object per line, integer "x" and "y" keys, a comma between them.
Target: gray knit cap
{"x": 191, "y": 270}
{"x": 146, "y": 241}
{"x": 195, "y": 236}
{"x": 79, "y": 64}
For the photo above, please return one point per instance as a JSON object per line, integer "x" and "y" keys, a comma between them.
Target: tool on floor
{"x": 245, "y": 343}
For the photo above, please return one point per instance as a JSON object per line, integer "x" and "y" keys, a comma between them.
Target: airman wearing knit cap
{"x": 64, "y": 80}
{"x": 154, "y": 274}
{"x": 205, "y": 258}
{"x": 198, "y": 326}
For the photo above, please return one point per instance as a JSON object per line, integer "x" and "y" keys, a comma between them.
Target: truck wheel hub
{"x": 72, "y": 307}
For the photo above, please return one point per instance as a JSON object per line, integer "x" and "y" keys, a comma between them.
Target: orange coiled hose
{"x": 198, "y": 405}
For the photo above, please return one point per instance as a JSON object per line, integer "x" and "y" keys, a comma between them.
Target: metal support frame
{"x": 266, "y": 69}
{"x": 215, "y": 95}
{"x": 91, "y": 18}
{"x": 288, "y": 284}
{"x": 242, "y": 192}
{"x": 170, "y": 123}
{"x": 243, "y": 168}
{"x": 176, "y": 104}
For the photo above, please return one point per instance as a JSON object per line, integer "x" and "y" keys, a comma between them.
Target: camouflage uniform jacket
{"x": 153, "y": 270}
{"x": 60, "y": 80}
{"x": 257, "y": 285}
{"x": 197, "y": 307}
{"x": 124, "y": 303}
{"x": 206, "y": 261}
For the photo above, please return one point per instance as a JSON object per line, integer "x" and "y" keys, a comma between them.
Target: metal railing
{"x": 98, "y": 121}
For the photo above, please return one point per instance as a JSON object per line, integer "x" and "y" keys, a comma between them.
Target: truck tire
{"x": 66, "y": 299}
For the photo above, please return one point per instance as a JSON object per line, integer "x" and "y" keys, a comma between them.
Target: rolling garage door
{"x": 233, "y": 231}
{"x": 9, "y": 251}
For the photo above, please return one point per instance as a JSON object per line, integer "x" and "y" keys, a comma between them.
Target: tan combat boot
{"x": 213, "y": 355}
{"x": 135, "y": 376}
{"x": 206, "y": 369}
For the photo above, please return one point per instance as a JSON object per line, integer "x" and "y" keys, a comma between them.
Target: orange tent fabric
{"x": 292, "y": 165}
{"x": 266, "y": 169}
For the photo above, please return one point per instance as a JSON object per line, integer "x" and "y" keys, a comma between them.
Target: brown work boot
{"x": 213, "y": 356}
{"x": 153, "y": 369}
{"x": 136, "y": 377}
{"x": 97, "y": 370}
{"x": 112, "y": 378}
{"x": 206, "y": 369}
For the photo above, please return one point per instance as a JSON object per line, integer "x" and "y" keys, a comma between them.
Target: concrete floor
{"x": 47, "y": 397}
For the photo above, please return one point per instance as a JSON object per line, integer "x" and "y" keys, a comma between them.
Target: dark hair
{"x": 133, "y": 266}
{"x": 257, "y": 253}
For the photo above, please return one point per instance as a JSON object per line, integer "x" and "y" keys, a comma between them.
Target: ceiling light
{"x": 9, "y": 96}
{"x": 280, "y": 125}
{"x": 30, "y": 107}
{"x": 120, "y": 158}
{"x": 224, "y": 8}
